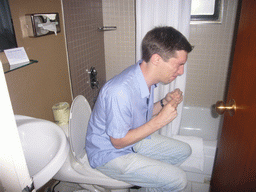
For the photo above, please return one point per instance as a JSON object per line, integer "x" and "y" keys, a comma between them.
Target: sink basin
{"x": 45, "y": 147}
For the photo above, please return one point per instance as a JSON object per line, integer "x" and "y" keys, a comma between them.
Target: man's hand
{"x": 174, "y": 95}
{"x": 169, "y": 112}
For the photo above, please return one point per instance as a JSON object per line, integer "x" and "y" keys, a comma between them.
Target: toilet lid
{"x": 79, "y": 117}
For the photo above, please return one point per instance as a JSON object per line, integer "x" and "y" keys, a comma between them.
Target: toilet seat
{"x": 79, "y": 117}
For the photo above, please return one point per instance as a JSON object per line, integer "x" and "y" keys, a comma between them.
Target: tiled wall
{"x": 119, "y": 44}
{"x": 85, "y": 44}
{"x": 207, "y": 64}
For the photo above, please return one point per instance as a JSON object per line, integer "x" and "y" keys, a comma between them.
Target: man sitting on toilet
{"x": 120, "y": 142}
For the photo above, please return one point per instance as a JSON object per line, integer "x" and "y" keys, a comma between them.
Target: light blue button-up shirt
{"x": 124, "y": 103}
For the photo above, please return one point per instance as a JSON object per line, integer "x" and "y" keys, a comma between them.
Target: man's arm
{"x": 165, "y": 116}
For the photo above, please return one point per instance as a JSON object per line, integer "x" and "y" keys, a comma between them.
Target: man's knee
{"x": 180, "y": 182}
{"x": 184, "y": 153}
{"x": 187, "y": 150}
{"x": 183, "y": 181}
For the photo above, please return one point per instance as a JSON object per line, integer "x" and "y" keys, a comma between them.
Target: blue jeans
{"x": 154, "y": 165}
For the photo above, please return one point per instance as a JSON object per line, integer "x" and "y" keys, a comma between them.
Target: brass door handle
{"x": 220, "y": 107}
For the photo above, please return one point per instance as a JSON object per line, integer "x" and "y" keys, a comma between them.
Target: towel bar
{"x": 107, "y": 28}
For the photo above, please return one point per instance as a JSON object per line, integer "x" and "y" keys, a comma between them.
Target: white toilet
{"x": 76, "y": 168}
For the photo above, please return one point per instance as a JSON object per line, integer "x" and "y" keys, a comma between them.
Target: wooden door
{"x": 235, "y": 164}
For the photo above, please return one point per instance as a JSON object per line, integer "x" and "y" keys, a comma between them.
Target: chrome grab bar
{"x": 107, "y": 28}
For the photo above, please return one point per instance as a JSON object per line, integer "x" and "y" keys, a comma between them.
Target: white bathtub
{"x": 200, "y": 122}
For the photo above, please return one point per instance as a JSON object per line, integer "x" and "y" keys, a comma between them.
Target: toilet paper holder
{"x": 41, "y": 24}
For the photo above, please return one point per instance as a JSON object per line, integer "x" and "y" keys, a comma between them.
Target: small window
{"x": 206, "y": 10}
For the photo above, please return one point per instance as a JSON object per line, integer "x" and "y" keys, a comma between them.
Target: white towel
{"x": 196, "y": 159}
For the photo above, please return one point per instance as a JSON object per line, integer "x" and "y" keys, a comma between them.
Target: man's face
{"x": 173, "y": 67}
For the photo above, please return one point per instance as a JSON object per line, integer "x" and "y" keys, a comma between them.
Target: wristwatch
{"x": 161, "y": 102}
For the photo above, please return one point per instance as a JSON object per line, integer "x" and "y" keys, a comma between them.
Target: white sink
{"x": 45, "y": 147}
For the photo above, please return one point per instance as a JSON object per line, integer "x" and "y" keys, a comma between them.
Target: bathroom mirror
{"x": 7, "y": 34}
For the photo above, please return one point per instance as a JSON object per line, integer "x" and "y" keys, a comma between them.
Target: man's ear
{"x": 155, "y": 59}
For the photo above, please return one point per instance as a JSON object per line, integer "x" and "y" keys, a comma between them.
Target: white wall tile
{"x": 207, "y": 64}
{"x": 119, "y": 44}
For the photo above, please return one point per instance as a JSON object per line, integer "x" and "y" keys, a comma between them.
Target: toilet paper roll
{"x": 61, "y": 113}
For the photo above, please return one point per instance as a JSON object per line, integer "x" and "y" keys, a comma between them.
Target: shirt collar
{"x": 142, "y": 82}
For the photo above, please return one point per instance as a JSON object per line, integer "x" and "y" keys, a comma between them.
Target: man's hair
{"x": 164, "y": 41}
